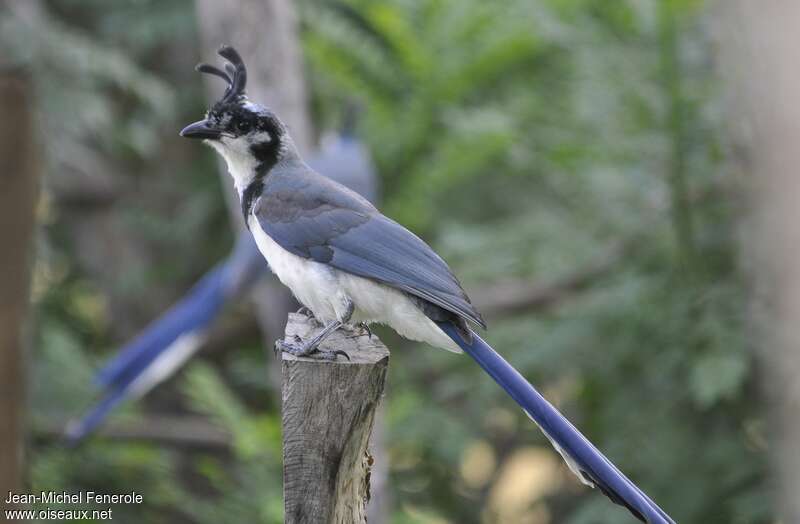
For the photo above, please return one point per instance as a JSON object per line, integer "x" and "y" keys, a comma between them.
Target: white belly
{"x": 326, "y": 292}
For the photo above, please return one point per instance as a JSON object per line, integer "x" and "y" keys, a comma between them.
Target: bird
{"x": 348, "y": 263}
{"x": 175, "y": 336}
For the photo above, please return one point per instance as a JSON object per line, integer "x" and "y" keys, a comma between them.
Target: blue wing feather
{"x": 317, "y": 218}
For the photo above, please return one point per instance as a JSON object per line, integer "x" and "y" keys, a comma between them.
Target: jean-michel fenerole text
{"x": 63, "y": 497}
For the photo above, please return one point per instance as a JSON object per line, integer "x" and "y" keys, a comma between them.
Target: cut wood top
{"x": 360, "y": 347}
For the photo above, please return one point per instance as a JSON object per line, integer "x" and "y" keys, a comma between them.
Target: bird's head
{"x": 249, "y": 136}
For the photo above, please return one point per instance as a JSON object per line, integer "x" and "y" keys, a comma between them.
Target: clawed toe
{"x": 299, "y": 349}
{"x": 365, "y": 329}
{"x": 296, "y": 348}
{"x": 342, "y": 353}
{"x": 328, "y": 355}
{"x": 359, "y": 329}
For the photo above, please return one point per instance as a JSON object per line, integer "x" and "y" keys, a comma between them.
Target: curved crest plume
{"x": 235, "y": 73}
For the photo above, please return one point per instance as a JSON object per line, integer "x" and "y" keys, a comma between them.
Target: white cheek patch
{"x": 260, "y": 137}
{"x": 236, "y": 145}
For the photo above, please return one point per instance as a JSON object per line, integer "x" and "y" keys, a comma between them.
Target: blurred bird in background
{"x": 176, "y": 336}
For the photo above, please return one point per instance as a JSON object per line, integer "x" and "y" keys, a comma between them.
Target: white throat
{"x": 241, "y": 162}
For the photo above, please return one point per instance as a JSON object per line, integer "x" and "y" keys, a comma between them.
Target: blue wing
{"x": 318, "y": 219}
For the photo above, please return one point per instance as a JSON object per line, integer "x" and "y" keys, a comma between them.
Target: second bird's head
{"x": 249, "y": 136}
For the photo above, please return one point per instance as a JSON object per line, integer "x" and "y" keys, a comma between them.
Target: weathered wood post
{"x": 328, "y": 413}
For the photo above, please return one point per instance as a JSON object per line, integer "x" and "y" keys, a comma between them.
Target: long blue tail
{"x": 585, "y": 460}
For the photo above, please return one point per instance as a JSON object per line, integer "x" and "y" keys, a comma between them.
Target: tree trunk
{"x": 759, "y": 51}
{"x": 265, "y": 34}
{"x": 19, "y": 174}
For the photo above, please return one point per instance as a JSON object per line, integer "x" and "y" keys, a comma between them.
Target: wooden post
{"x": 328, "y": 413}
{"x": 19, "y": 180}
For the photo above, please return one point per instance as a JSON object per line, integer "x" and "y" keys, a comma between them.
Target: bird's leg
{"x": 306, "y": 349}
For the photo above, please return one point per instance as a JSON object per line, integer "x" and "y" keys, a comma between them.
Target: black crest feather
{"x": 235, "y": 73}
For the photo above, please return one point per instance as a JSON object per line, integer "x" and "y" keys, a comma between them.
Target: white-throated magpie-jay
{"x": 347, "y": 263}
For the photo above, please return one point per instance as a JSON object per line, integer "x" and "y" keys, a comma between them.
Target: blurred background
{"x": 611, "y": 180}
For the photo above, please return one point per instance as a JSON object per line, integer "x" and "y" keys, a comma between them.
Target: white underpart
{"x": 326, "y": 291}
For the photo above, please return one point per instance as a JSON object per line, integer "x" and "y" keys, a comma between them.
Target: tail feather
{"x": 194, "y": 312}
{"x": 77, "y": 430}
{"x": 585, "y": 460}
{"x": 159, "y": 350}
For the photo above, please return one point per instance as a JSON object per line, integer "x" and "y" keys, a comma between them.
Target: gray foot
{"x": 300, "y": 348}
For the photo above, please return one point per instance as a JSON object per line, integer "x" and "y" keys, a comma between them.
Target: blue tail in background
{"x": 172, "y": 339}
{"x": 585, "y": 460}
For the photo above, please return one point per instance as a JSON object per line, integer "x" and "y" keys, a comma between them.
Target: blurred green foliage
{"x": 523, "y": 139}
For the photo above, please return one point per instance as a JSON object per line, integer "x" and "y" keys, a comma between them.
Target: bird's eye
{"x": 243, "y": 126}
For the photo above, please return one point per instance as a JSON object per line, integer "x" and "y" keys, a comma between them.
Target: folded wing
{"x": 328, "y": 223}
